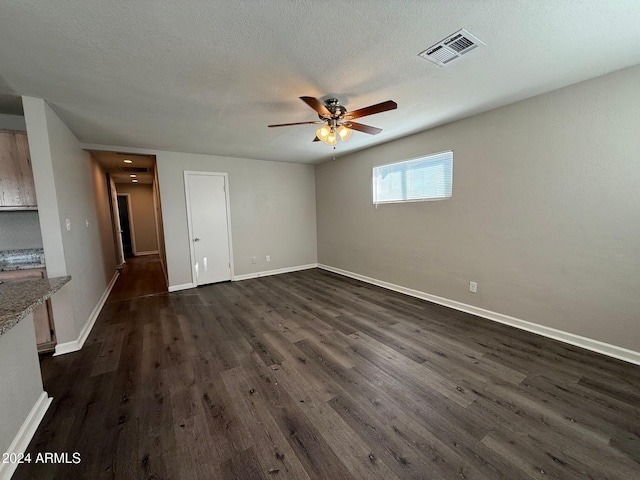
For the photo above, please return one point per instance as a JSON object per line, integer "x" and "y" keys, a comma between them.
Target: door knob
{"x": 196, "y": 239}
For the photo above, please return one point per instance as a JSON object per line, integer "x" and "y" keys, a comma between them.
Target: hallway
{"x": 139, "y": 276}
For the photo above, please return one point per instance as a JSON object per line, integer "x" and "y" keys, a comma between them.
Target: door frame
{"x": 115, "y": 221}
{"x": 194, "y": 278}
{"x": 132, "y": 234}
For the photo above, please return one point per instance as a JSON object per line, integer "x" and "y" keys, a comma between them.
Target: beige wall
{"x": 103, "y": 222}
{"x": 12, "y": 122}
{"x": 19, "y": 230}
{"x": 144, "y": 224}
{"x": 69, "y": 185}
{"x": 272, "y": 212}
{"x": 545, "y": 213}
{"x": 21, "y": 382}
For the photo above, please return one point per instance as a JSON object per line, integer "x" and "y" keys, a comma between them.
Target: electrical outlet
{"x": 473, "y": 287}
{"x": 68, "y": 224}
{"x": 268, "y": 258}
{"x": 86, "y": 221}
{"x": 254, "y": 259}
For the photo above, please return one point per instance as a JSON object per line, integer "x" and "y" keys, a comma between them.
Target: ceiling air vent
{"x": 452, "y": 47}
{"x": 134, "y": 169}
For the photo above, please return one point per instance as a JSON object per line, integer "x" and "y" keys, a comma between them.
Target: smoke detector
{"x": 451, "y": 48}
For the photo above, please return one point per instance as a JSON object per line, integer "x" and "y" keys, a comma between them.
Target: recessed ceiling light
{"x": 134, "y": 181}
{"x": 133, "y": 175}
{"x": 126, "y": 160}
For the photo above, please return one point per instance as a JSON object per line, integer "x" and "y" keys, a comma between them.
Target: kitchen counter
{"x": 23, "y": 401}
{"x": 18, "y": 299}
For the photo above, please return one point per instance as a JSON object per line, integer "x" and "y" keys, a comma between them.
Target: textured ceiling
{"x": 207, "y": 77}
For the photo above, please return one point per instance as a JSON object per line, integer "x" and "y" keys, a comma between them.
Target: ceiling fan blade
{"x": 296, "y": 123}
{"x": 316, "y": 139}
{"x": 363, "y": 128}
{"x": 317, "y": 105}
{"x": 372, "y": 109}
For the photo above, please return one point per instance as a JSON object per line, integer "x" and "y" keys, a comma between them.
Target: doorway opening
{"x": 136, "y": 210}
{"x": 126, "y": 231}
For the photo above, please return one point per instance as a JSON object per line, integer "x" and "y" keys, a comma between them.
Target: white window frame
{"x": 425, "y": 199}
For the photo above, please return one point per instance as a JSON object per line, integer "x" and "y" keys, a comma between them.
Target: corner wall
{"x": 70, "y": 185}
{"x": 545, "y": 213}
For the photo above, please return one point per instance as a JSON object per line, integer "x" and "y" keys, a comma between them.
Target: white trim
{"x": 66, "y": 347}
{"x": 157, "y": 214}
{"x": 75, "y": 345}
{"x": 278, "y": 271}
{"x": 150, "y": 252}
{"x": 587, "y": 343}
{"x": 120, "y": 148}
{"x": 183, "y": 286}
{"x": 225, "y": 178}
{"x": 115, "y": 220}
{"x": 25, "y": 434}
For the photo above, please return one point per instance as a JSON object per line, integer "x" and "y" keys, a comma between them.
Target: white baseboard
{"x": 66, "y": 347}
{"x": 150, "y": 252}
{"x": 25, "y": 434}
{"x": 278, "y": 271}
{"x": 184, "y": 286}
{"x": 587, "y": 343}
{"x": 75, "y": 345}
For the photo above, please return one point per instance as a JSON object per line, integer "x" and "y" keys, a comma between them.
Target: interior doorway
{"x": 126, "y": 230}
{"x": 137, "y": 221}
{"x": 209, "y": 220}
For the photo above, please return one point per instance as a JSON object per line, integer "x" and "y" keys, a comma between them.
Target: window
{"x": 425, "y": 178}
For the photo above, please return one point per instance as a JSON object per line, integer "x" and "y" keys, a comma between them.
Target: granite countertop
{"x": 21, "y": 259}
{"x": 18, "y": 299}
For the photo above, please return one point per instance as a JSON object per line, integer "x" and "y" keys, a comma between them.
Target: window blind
{"x": 425, "y": 178}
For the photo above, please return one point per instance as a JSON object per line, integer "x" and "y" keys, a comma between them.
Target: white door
{"x": 208, "y": 227}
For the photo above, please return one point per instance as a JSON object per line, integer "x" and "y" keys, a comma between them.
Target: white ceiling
{"x": 207, "y": 77}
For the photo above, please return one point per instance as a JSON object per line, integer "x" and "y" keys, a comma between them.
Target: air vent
{"x": 451, "y": 48}
{"x": 134, "y": 169}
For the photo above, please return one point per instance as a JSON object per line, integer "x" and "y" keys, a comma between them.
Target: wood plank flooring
{"x": 311, "y": 375}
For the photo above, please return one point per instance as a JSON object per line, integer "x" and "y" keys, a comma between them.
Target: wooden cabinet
{"x": 42, "y": 316}
{"x": 17, "y": 190}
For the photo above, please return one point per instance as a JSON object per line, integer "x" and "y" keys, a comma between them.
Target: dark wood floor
{"x": 311, "y": 375}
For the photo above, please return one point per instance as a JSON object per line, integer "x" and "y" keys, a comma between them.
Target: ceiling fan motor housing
{"x": 334, "y": 107}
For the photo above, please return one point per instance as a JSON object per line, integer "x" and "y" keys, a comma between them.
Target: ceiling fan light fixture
{"x": 331, "y": 138}
{"x": 344, "y": 133}
{"x": 323, "y": 133}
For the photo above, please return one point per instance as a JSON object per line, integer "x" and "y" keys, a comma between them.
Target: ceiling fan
{"x": 338, "y": 122}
